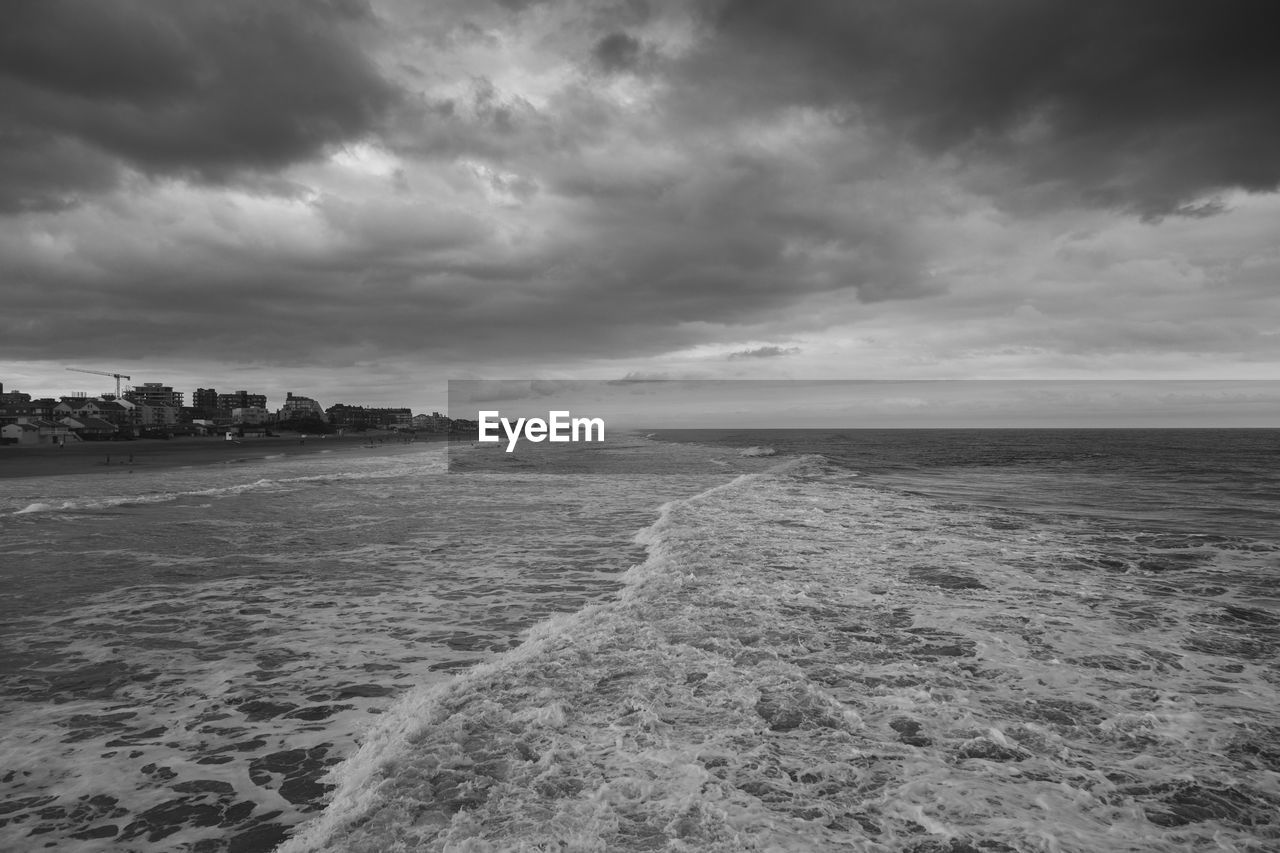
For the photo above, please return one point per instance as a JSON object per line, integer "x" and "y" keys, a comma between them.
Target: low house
{"x": 20, "y": 433}
{"x": 35, "y": 431}
{"x": 90, "y": 428}
{"x": 78, "y": 407}
{"x": 52, "y": 432}
{"x": 121, "y": 413}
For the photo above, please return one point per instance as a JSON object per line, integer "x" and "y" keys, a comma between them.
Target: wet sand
{"x": 100, "y": 457}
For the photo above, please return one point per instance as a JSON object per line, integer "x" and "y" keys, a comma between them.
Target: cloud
{"x": 1146, "y": 106}
{"x": 765, "y": 352}
{"x": 617, "y": 52}
{"x": 622, "y": 188}
{"x": 204, "y": 90}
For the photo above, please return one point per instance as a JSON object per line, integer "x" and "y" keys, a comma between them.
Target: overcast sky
{"x": 893, "y": 404}
{"x": 357, "y": 201}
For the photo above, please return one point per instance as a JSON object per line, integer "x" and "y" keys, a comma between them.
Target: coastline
{"x": 152, "y": 454}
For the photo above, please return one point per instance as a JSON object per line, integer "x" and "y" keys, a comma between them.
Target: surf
{"x": 805, "y": 663}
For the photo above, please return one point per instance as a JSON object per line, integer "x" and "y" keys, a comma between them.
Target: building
{"x": 35, "y": 431}
{"x": 249, "y": 415}
{"x": 395, "y": 418}
{"x": 20, "y": 433}
{"x": 90, "y": 428}
{"x": 89, "y": 407}
{"x": 434, "y": 422}
{"x": 155, "y": 394}
{"x": 348, "y": 417}
{"x": 156, "y": 416}
{"x": 204, "y": 404}
{"x": 42, "y": 407}
{"x": 12, "y": 413}
{"x": 13, "y": 398}
{"x": 301, "y": 409}
{"x": 123, "y": 415}
{"x": 361, "y": 417}
{"x": 241, "y": 400}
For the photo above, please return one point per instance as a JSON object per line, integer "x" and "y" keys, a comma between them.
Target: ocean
{"x": 932, "y": 641}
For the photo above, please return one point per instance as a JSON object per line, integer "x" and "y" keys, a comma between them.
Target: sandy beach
{"x": 115, "y": 457}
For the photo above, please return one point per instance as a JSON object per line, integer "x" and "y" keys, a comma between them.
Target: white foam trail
{"x": 36, "y": 507}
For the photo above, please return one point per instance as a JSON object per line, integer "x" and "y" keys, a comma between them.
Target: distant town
{"x": 156, "y": 410}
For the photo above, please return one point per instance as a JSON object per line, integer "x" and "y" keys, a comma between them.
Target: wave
{"x": 91, "y": 504}
{"x": 261, "y": 484}
{"x": 805, "y": 663}
{"x": 422, "y": 732}
{"x": 757, "y": 451}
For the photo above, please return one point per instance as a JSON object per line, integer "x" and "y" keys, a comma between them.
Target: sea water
{"x": 925, "y": 641}
{"x": 185, "y": 652}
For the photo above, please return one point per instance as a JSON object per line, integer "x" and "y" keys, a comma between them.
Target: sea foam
{"x": 803, "y": 664}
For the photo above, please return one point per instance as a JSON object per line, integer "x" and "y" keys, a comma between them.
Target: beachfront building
{"x": 394, "y": 418}
{"x": 76, "y": 407}
{"x": 361, "y": 417}
{"x": 156, "y": 415}
{"x": 13, "y": 398}
{"x": 434, "y": 422}
{"x": 154, "y": 394}
{"x": 241, "y": 400}
{"x": 120, "y": 413}
{"x": 13, "y": 413}
{"x": 298, "y": 408}
{"x": 89, "y": 428}
{"x": 35, "y": 431}
{"x": 19, "y": 433}
{"x": 204, "y": 404}
{"x": 249, "y": 415}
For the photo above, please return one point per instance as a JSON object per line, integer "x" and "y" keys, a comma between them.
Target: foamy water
{"x": 374, "y": 655}
{"x": 805, "y": 663}
{"x": 186, "y": 652}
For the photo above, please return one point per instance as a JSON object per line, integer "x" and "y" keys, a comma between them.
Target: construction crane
{"x": 118, "y": 376}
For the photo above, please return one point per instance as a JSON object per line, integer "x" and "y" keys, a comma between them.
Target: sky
{"x": 358, "y": 201}
{"x": 641, "y": 404}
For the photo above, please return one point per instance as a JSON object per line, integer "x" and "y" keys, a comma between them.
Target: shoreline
{"x": 154, "y": 454}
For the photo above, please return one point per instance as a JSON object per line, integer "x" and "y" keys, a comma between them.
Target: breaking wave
{"x": 803, "y": 663}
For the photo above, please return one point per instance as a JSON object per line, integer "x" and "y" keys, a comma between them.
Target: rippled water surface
{"x": 1016, "y": 641}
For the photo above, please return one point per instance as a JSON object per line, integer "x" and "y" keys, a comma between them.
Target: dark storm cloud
{"x": 548, "y": 183}
{"x": 196, "y": 89}
{"x": 40, "y": 171}
{"x": 617, "y": 52}
{"x": 1143, "y": 105}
